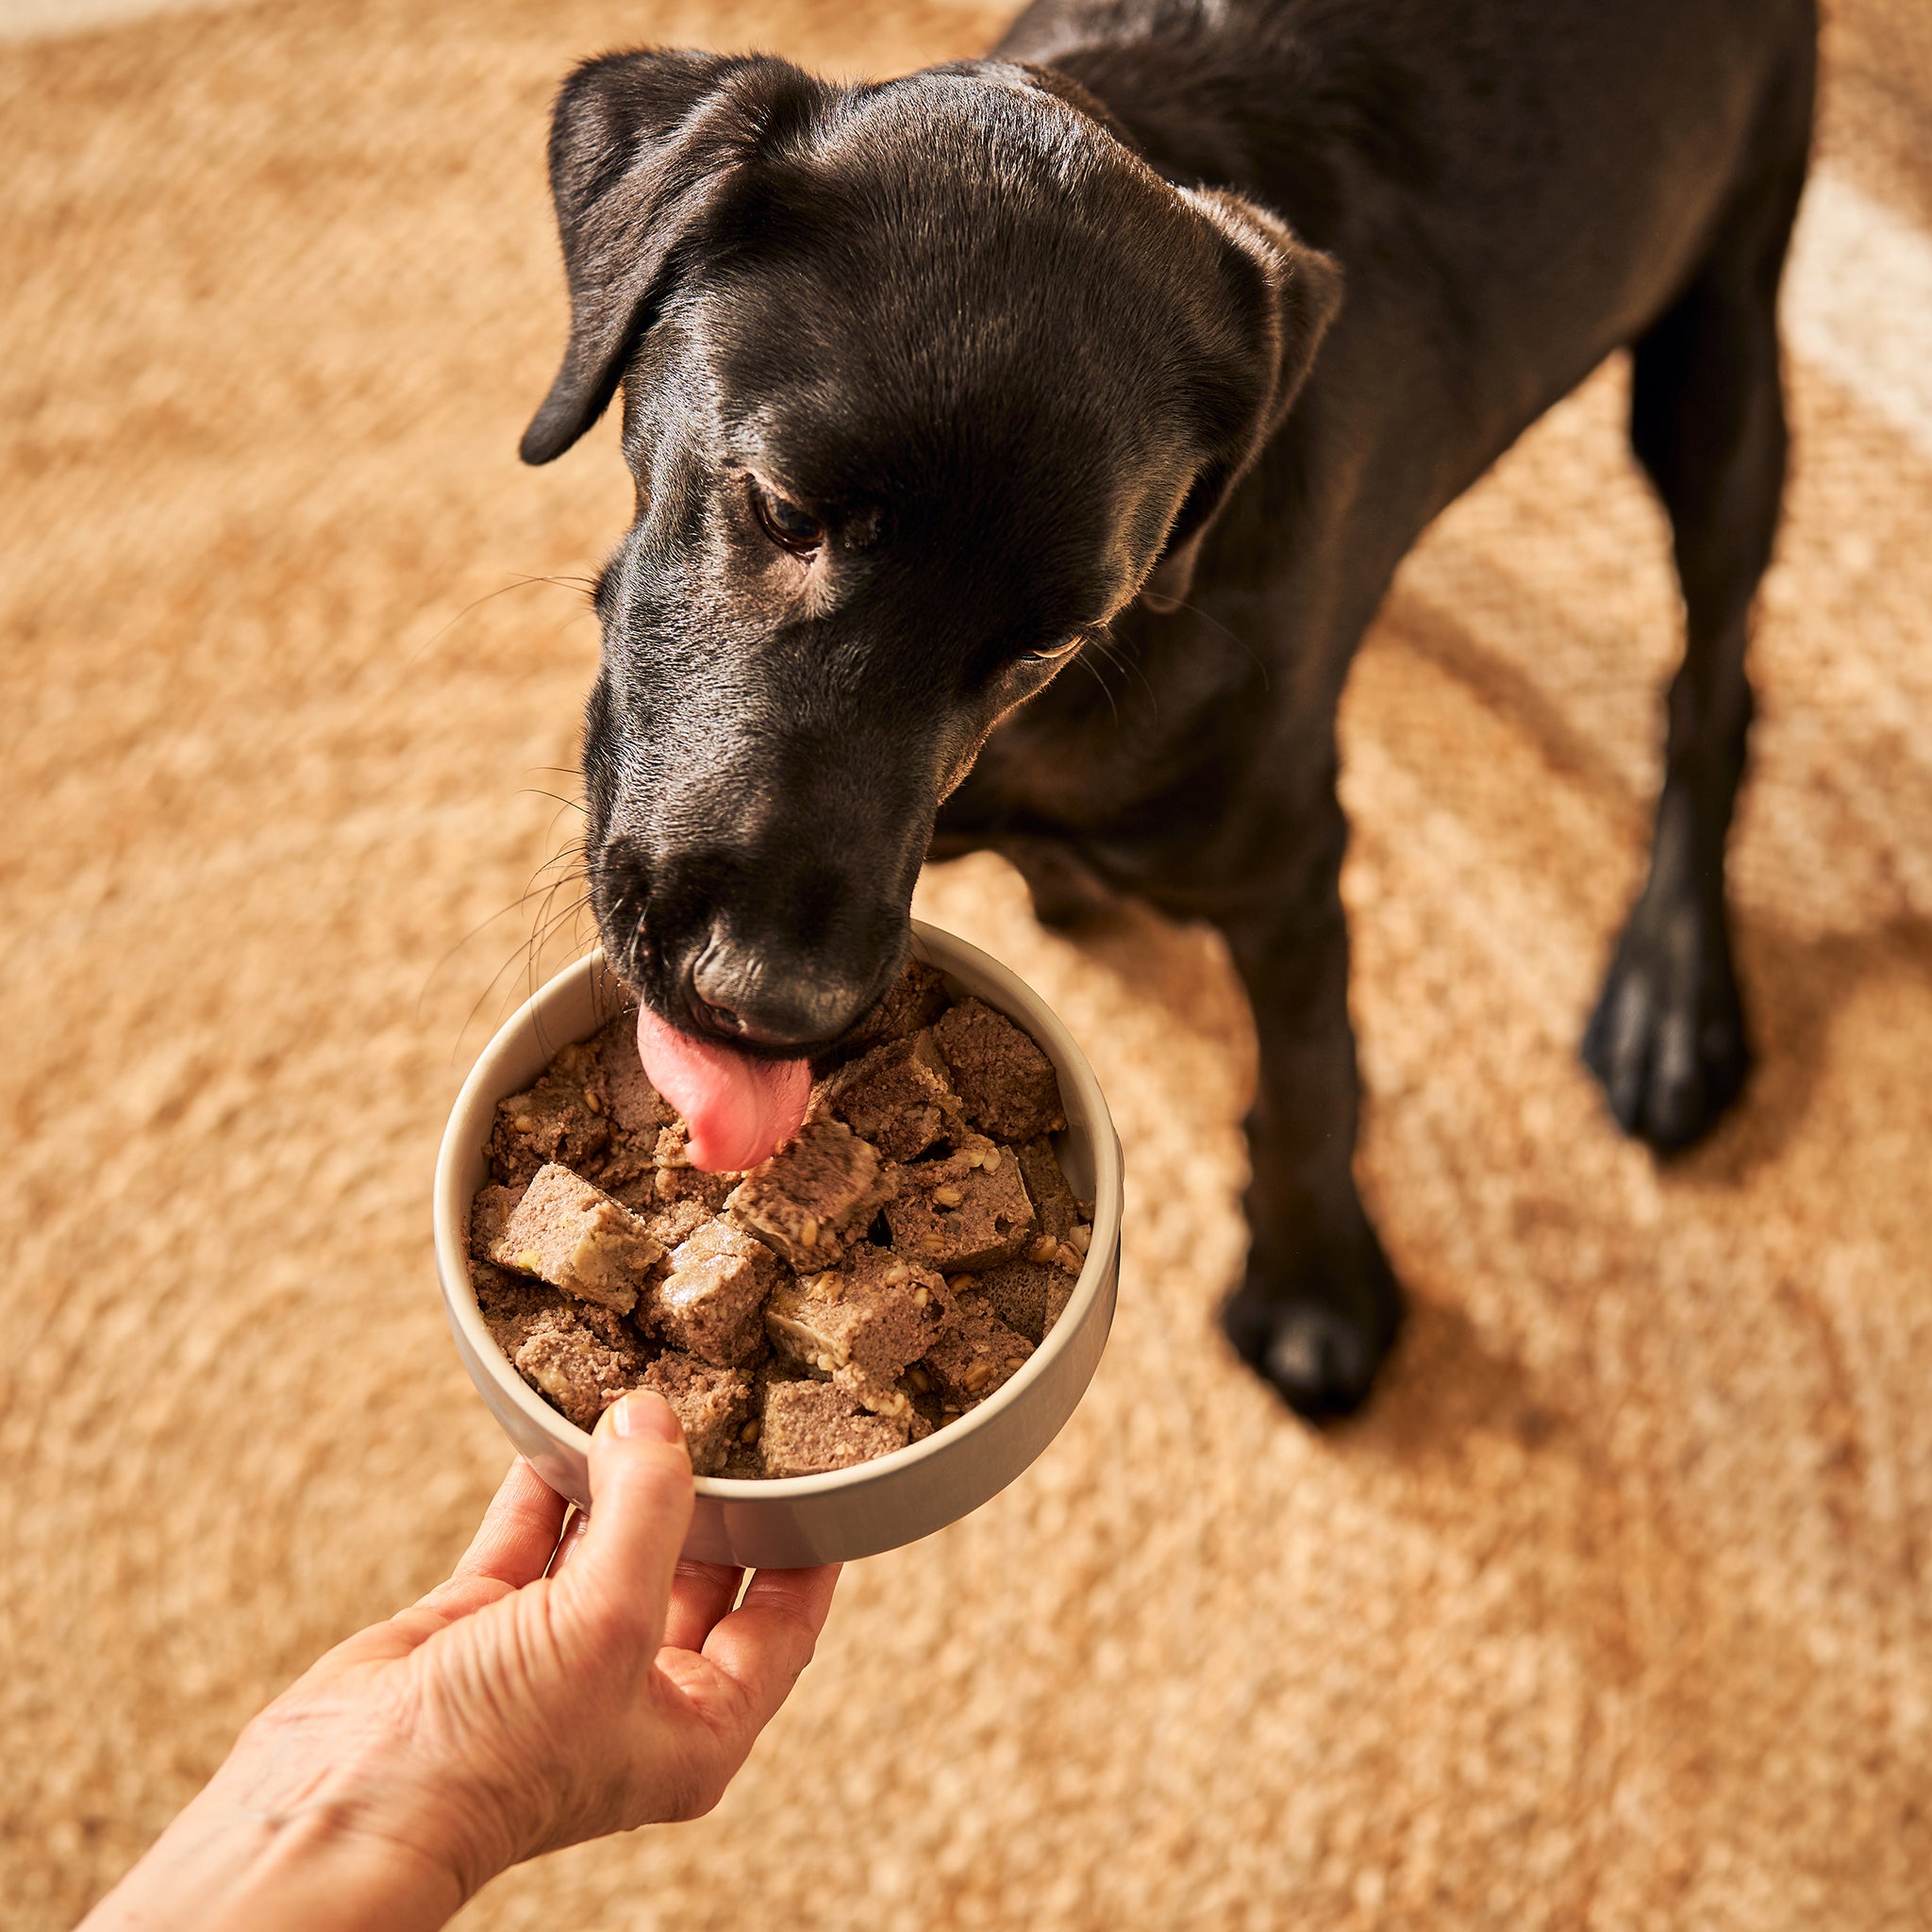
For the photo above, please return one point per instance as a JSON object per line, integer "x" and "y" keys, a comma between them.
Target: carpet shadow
{"x": 1443, "y": 1384}
{"x": 1181, "y": 967}
{"x": 1793, "y": 991}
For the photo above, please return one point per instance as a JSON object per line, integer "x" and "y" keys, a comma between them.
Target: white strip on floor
{"x": 1858, "y": 302}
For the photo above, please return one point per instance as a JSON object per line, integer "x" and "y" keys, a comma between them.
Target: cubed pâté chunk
{"x": 552, "y": 1121}
{"x": 634, "y": 1108}
{"x": 815, "y": 1195}
{"x": 976, "y": 1352}
{"x": 488, "y": 1211}
{"x": 712, "y": 1404}
{"x": 678, "y": 1179}
{"x": 576, "y": 1237}
{"x": 863, "y": 1323}
{"x": 913, "y": 1001}
{"x": 708, "y": 1302}
{"x": 898, "y": 1097}
{"x": 1017, "y": 1291}
{"x": 1005, "y": 1082}
{"x": 743, "y": 1460}
{"x": 1029, "y": 1292}
{"x": 581, "y": 1363}
{"x": 1054, "y": 1202}
{"x": 808, "y": 1428}
{"x": 966, "y": 1212}
{"x": 616, "y": 1089}
{"x": 510, "y": 1303}
{"x": 673, "y": 1223}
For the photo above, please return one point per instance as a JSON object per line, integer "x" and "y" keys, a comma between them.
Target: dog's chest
{"x": 1119, "y": 743}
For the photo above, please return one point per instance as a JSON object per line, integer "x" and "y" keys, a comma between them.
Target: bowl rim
{"x": 1000, "y": 987}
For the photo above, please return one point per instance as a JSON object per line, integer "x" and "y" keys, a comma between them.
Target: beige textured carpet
{"x": 1616, "y": 1613}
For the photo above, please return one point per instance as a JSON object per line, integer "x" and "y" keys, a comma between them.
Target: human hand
{"x": 562, "y": 1684}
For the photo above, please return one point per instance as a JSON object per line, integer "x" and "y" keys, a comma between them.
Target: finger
{"x": 769, "y": 1638}
{"x": 617, "y": 1589}
{"x": 700, "y": 1594}
{"x": 518, "y": 1532}
{"x": 512, "y": 1545}
{"x": 571, "y": 1541}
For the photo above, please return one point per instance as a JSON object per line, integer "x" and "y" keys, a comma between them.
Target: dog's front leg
{"x": 1320, "y": 1304}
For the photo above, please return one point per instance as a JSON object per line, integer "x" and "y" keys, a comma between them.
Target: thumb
{"x": 617, "y": 1588}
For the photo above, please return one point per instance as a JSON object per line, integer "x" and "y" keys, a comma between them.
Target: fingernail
{"x": 644, "y": 1412}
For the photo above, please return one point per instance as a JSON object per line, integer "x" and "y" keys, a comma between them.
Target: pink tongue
{"x": 739, "y": 1109}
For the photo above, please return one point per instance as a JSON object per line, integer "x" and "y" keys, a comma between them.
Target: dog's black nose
{"x": 770, "y": 999}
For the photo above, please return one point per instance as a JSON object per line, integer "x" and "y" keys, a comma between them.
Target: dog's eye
{"x": 788, "y": 526}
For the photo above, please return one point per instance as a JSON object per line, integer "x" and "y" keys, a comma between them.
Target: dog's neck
{"x": 1232, "y": 95}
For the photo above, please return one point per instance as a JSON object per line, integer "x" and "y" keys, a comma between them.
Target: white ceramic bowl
{"x": 793, "y": 1521}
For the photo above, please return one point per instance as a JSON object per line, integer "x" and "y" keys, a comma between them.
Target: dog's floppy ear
{"x": 1280, "y": 296}
{"x": 644, "y": 149}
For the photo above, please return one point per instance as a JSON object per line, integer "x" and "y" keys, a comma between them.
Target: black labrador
{"x": 1153, "y": 339}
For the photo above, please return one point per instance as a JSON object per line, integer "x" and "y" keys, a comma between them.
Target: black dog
{"x": 1159, "y": 336}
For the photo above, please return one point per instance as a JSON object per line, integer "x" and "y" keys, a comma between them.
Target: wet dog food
{"x": 886, "y": 1270}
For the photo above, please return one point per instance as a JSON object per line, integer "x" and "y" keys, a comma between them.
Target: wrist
{"x": 220, "y": 1871}
{"x": 324, "y": 1869}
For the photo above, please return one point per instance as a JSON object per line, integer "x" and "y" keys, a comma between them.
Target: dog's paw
{"x": 1318, "y": 1349}
{"x": 1667, "y": 1040}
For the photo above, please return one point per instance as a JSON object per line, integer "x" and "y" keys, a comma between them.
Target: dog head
{"x": 923, "y": 383}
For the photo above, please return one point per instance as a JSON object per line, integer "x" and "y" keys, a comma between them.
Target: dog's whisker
{"x": 552, "y": 923}
{"x": 482, "y": 999}
{"x": 1109, "y": 648}
{"x": 1235, "y": 637}
{"x": 1086, "y": 663}
{"x": 534, "y": 889}
{"x": 582, "y": 585}
{"x": 549, "y": 919}
{"x": 575, "y": 804}
{"x": 568, "y": 863}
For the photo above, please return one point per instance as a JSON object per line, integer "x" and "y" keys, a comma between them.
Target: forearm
{"x": 300, "y": 1846}
{"x": 512, "y": 1712}
{"x": 309, "y": 1873}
